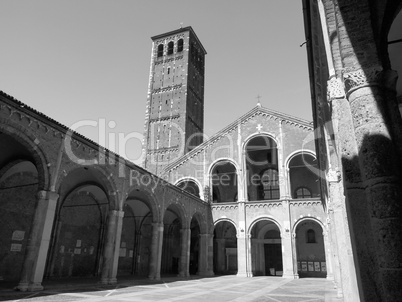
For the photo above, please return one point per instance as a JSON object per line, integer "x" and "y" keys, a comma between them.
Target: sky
{"x": 87, "y": 62}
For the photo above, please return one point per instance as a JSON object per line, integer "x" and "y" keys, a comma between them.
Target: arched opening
{"x": 310, "y": 250}
{"x": 394, "y": 51}
{"x": 81, "y": 222}
{"x": 80, "y": 226}
{"x": 224, "y": 182}
{"x": 266, "y": 249}
{"x": 194, "y": 246}
{"x": 225, "y": 248}
{"x": 262, "y": 169}
{"x": 160, "y": 50}
{"x": 18, "y": 189}
{"x": 170, "y": 48}
{"x": 171, "y": 248}
{"x": 303, "y": 181}
{"x": 180, "y": 45}
{"x": 136, "y": 236}
{"x": 189, "y": 186}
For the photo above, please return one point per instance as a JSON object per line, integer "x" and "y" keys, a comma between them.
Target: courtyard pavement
{"x": 220, "y": 289}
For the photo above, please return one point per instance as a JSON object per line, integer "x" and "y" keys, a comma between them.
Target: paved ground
{"x": 220, "y": 289}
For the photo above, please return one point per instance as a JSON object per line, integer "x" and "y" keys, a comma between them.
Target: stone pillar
{"x": 185, "y": 252}
{"x": 294, "y": 256}
{"x": 156, "y": 251}
{"x": 205, "y": 261}
{"x": 287, "y": 255}
{"x": 110, "y": 261}
{"x": 242, "y": 252}
{"x": 328, "y": 258}
{"x": 38, "y": 242}
{"x": 249, "y": 268}
{"x": 115, "y": 263}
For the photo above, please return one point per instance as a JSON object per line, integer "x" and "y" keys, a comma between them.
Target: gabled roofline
{"x": 176, "y": 31}
{"x": 257, "y": 108}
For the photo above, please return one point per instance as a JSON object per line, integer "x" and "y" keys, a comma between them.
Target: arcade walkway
{"x": 224, "y": 288}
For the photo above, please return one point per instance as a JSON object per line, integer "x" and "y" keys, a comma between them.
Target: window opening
{"x": 160, "y": 50}
{"x": 311, "y": 236}
{"x": 180, "y": 45}
{"x": 170, "y": 48}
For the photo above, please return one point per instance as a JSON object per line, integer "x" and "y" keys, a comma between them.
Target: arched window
{"x": 262, "y": 169}
{"x": 224, "y": 182}
{"x": 189, "y": 186}
{"x": 303, "y": 176}
{"x": 302, "y": 192}
{"x": 160, "y": 50}
{"x": 310, "y": 236}
{"x": 180, "y": 45}
{"x": 170, "y": 48}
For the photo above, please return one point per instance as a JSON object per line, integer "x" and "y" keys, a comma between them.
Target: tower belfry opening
{"x": 174, "y": 121}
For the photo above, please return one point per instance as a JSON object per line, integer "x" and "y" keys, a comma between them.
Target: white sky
{"x": 89, "y": 60}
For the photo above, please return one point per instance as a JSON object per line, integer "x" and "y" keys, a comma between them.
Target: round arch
{"x": 177, "y": 209}
{"x": 298, "y": 152}
{"x": 38, "y": 156}
{"x": 201, "y": 222}
{"x": 149, "y": 199}
{"x": 256, "y": 134}
{"x": 191, "y": 179}
{"x": 95, "y": 174}
{"x": 226, "y": 220}
{"x": 262, "y": 218}
{"x": 220, "y": 192}
{"x": 300, "y": 220}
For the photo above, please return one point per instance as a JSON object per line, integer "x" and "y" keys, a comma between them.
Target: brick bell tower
{"x": 174, "y": 119}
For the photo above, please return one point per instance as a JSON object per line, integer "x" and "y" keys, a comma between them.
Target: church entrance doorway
{"x": 266, "y": 249}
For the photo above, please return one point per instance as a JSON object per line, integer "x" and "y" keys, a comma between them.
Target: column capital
{"x": 116, "y": 213}
{"x": 47, "y": 195}
{"x": 335, "y": 88}
{"x": 371, "y": 76}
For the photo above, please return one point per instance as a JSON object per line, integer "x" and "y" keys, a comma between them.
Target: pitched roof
{"x": 222, "y": 133}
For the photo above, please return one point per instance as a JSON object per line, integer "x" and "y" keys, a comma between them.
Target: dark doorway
{"x": 273, "y": 259}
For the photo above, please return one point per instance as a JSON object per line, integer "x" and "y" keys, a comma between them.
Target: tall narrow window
{"x": 180, "y": 45}
{"x": 170, "y": 48}
{"x": 160, "y": 50}
{"x": 311, "y": 236}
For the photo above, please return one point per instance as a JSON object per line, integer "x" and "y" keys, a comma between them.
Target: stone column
{"x": 185, "y": 252}
{"x": 249, "y": 268}
{"x": 156, "y": 251}
{"x": 205, "y": 260}
{"x": 108, "y": 265}
{"x": 38, "y": 242}
{"x": 287, "y": 251}
{"x": 287, "y": 255}
{"x": 294, "y": 256}
{"x": 328, "y": 258}
{"x": 115, "y": 263}
{"x": 242, "y": 252}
